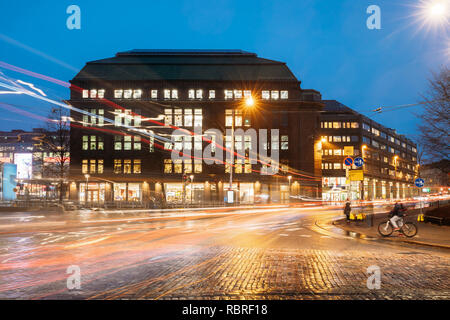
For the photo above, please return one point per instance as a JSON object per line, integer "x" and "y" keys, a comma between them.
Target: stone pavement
{"x": 222, "y": 272}
{"x": 428, "y": 233}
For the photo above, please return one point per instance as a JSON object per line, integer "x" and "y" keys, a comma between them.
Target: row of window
{"x": 183, "y": 117}
{"x": 378, "y": 145}
{"x": 197, "y": 94}
{"x": 389, "y": 138}
{"x": 341, "y": 138}
{"x": 339, "y": 125}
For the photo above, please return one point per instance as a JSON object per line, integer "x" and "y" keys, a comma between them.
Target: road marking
{"x": 304, "y": 235}
{"x": 283, "y": 235}
{"x": 294, "y": 229}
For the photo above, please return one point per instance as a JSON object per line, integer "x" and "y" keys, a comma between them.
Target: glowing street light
{"x": 249, "y": 102}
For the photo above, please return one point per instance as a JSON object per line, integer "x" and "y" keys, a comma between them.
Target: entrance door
{"x": 93, "y": 196}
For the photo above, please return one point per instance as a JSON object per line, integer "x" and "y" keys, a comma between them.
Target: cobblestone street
{"x": 260, "y": 256}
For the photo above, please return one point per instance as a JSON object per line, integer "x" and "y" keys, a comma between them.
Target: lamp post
{"x": 289, "y": 179}
{"x": 249, "y": 102}
{"x": 86, "y": 190}
{"x": 363, "y": 147}
{"x": 192, "y": 188}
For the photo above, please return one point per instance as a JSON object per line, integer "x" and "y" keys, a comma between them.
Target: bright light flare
{"x": 437, "y": 9}
{"x": 249, "y": 102}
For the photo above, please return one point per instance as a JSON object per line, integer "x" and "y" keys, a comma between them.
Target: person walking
{"x": 347, "y": 210}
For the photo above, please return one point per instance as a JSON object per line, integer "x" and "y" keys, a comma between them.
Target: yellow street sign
{"x": 348, "y": 150}
{"x": 356, "y": 175}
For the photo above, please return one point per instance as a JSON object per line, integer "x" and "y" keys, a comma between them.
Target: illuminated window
{"x": 127, "y": 166}
{"x": 118, "y": 94}
{"x": 178, "y": 119}
{"x": 101, "y": 93}
{"x": 237, "y": 94}
{"x": 137, "y": 94}
{"x": 228, "y": 94}
{"x": 85, "y": 94}
{"x": 198, "y": 118}
{"x": 199, "y": 94}
{"x": 174, "y": 94}
{"x": 188, "y": 117}
{"x": 284, "y": 142}
{"x": 187, "y": 142}
{"x": 336, "y": 125}
{"x": 284, "y": 94}
{"x": 117, "y": 142}
{"x": 212, "y": 94}
{"x": 197, "y": 166}
{"x": 228, "y": 118}
{"x": 198, "y": 142}
{"x": 167, "y": 166}
{"x": 166, "y": 94}
{"x": 127, "y": 143}
{"x": 93, "y": 93}
{"x": 168, "y": 116}
{"x": 178, "y": 166}
{"x": 85, "y": 143}
{"x": 191, "y": 94}
{"x": 117, "y": 166}
{"x": 247, "y": 166}
{"x": 336, "y": 165}
{"x": 275, "y": 94}
{"x": 178, "y": 145}
{"x": 92, "y": 166}
{"x": 265, "y": 94}
{"x": 188, "y": 166}
{"x": 247, "y": 93}
{"x": 238, "y": 118}
{"x": 100, "y": 166}
{"x": 275, "y": 142}
{"x": 238, "y": 166}
{"x": 154, "y": 94}
{"x": 355, "y": 125}
{"x": 101, "y": 117}
{"x": 84, "y": 166}
{"x": 151, "y": 145}
{"x": 137, "y": 143}
{"x": 136, "y": 166}
{"x": 127, "y": 93}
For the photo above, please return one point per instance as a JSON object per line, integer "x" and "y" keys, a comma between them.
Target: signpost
{"x": 348, "y": 150}
{"x": 348, "y": 161}
{"x": 419, "y": 183}
{"x": 359, "y": 162}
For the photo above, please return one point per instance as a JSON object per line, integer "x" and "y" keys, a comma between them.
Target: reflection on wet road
{"x": 253, "y": 253}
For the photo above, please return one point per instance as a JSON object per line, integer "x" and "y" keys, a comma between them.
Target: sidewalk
{"x": 428, "y": 234}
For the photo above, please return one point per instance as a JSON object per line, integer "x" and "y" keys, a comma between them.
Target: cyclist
{"x": 397, "y": 216}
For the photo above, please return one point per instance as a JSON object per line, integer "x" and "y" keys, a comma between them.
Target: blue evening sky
{"x": 325, "y": 43}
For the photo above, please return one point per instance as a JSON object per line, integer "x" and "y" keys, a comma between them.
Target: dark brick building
{"x": 128, "y": 106}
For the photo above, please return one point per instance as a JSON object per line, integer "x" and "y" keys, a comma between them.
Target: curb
{"x": 436, "y": 245}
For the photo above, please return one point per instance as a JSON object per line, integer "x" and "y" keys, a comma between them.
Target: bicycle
{"x": 409, "y": 229}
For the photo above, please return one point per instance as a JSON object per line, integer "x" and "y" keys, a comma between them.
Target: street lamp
{"x": 289, "y": 179}
{"x": 86, "y": 190}
{"x": 249, "y": 102}
{"x": 192, "y": 187}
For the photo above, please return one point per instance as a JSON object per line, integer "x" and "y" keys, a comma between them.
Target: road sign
{"x": 348, "y": 150}
{"x": 356, "y": 175}
{"x": 348, "y": 161}
{"x": 359, "y": 162}
{"x": 419, "y": 182}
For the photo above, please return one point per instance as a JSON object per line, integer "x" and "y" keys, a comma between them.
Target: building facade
{"x": 129, "y": 113}
{"x": 35, "y": 164}
{"x": 390, "y": 159}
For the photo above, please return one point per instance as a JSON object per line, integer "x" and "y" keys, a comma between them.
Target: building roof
{"x": 333, "y": 106}
{"x": 167, "y": 64}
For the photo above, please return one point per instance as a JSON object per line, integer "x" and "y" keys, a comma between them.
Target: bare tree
{"x": 435, "y": 127}
{"x": 57, "y": 143}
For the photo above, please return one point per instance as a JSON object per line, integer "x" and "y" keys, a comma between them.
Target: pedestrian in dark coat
{"x": 347, "y": 210}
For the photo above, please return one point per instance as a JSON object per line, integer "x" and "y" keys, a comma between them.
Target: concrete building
{"x": 390, "y": 159}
